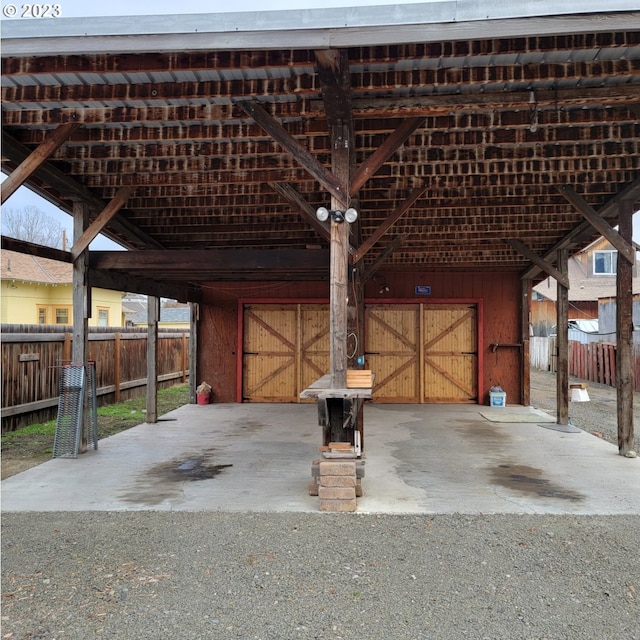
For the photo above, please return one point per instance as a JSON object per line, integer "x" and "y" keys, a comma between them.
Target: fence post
{"x": 116, "y": 365}
{"x": 184, "y": 357}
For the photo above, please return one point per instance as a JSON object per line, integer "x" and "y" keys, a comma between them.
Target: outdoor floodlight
{"x": 350, "y": 215}
{"x": 322, "y": 213}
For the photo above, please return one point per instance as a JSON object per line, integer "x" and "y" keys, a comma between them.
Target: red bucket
{"x": 203, "y": 398}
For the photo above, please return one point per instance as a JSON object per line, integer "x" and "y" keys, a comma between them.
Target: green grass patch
{"x": 37, "y": 439}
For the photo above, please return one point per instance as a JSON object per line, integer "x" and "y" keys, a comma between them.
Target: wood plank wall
{"x": 31, "y": 365}
{"x": 500, "y": 292}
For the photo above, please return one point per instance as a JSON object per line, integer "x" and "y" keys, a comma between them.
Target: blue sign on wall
{"x": 423, "y": 290}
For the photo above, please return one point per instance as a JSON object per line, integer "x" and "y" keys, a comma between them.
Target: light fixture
{"x": 350, "y": 215}
{"x": 322, "y": 213}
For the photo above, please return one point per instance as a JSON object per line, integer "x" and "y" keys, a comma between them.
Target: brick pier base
{"x": 337, "y": 483}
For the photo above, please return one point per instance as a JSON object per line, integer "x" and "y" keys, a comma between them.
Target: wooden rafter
{"x": 98, "y": 225}
{"x": 547, "y": 267}
{"x": 289, "y": 193}
{"x": 388, "y": 223}
{"x": 26, "y": 168}
{"x": 394, "y": 245}
{"x": 49, "y": 174}
{"x": 630, "y": 192}
{"x": 368, "y": 168}
{"x": 297, "y": 151}
{"x": 625, "y": 249}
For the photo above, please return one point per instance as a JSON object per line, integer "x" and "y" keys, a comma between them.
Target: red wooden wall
{"x": 500, "y": 293}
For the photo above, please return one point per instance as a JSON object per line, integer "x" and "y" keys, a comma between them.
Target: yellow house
{"x": 39, "y": 291}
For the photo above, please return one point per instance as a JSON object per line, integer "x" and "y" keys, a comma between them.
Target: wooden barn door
{"x": 285, "y": 349}
{"x": 392, "y": 349}
{"x": 314, "y": 345}
{"x": 422, "y": 352}
{"x": 450, "y": 353}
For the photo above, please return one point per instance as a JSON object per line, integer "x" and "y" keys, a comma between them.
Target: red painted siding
{"x": 499, "y": 293}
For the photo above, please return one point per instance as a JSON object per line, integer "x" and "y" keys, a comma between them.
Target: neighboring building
{"x": 171, "y": 317}
{"x": 39, "y": 291}
{"x": 592, "y": 275}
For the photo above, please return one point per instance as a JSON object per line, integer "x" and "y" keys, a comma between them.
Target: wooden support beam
{"x": 525, "y": 332}
{"x": 137, "y": 284}
{"x": 289, "y": 193}
{"x": 584, "y": 231}
{"x": 21, "y": 173}
{"x": 271, "y": 126}
{"x": 32, "y": 249}
{"x": 103, "y": 218}
{"x": 153, "y": 315}
{"x": 394, "y": 245}
{"x": 624, "y": 339}
{"x": 133, "y": 237}
{"x": 209, "y": 260}
{"x": 80, "y": 311}
{"x": 548, "y": 268}
{"x": 334, "y": 77}
{"x": 562, "y": 341}
{"x": 338, "y": 276}
{"x": 388, "y": 223}
{"x": 368, "y": 168}
{"x": 194, "y": 317}
{"x": 625, "y": 249}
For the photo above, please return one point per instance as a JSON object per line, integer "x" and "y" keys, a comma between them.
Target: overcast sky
{"x": 83, "y": 8}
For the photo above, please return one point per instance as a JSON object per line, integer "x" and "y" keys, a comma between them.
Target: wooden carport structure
{"x": 479, "y": 144}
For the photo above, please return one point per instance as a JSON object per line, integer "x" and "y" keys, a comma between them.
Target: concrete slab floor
{"x": 419, "y": 459}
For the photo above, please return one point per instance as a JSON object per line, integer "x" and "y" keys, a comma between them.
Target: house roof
{"x": 27, "y": 268}
{"x": 584, "y": 287}
{"x": 464, "y": 123}
{"x": 167, "y": 314}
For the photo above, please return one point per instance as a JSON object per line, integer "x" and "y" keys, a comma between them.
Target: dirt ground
{"x": 598, "y": 416}
{"x": 22, "y": 453}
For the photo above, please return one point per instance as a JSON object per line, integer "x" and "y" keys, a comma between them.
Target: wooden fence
{"x": 32, "y": 357}
{"x": 594, "y": 361}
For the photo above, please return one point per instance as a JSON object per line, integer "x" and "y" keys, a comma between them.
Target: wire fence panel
{"x": 70, "y": 418}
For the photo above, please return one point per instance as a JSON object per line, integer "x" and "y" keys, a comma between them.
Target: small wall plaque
{"x": 28, "y": 357}
{"x": 423, "y": 290}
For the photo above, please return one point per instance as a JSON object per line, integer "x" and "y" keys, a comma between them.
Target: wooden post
{"x": 525, "y": 320}
{"x": 562, "y": 323}
{"x": 183, "y": 354}
{"x": 80, "y": 293}
{"x": 153, "y": 313}
{"x": 338, "y": 279}
{"x": 338, "y": 291}
{"x": 66, "y": 349}
{"x": 356, "y": 320}
{"x": 117, "y": 346}
{"x": 193, "y": 352}
{"x": 624, "y": 337}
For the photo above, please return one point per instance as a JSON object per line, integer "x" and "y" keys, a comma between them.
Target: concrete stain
{"x": 163, "y": 481}
{"x": 529, "y": 480}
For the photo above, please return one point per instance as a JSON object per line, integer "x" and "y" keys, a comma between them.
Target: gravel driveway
{"x": 142, "y": 575}
{"x": 598, "y": 416}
